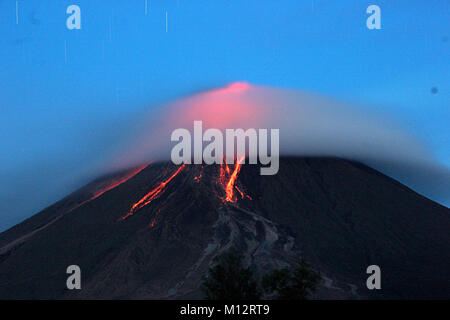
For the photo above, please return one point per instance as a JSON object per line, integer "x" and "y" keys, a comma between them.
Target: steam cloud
{"x": 310, "y": 125}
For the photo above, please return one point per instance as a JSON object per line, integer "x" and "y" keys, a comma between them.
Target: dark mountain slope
{"x": 346, "y": 216}
{"x": 339, "y": 215}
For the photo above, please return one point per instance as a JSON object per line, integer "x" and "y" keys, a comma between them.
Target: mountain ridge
{"x": 340, "y": 215}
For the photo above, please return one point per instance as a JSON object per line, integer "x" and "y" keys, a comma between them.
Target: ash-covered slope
{"x": 155, "y": 233}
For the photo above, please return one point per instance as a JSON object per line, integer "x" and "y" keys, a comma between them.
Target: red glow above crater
{"x": 234, "y": 87}
{"x": 228, "y": 107}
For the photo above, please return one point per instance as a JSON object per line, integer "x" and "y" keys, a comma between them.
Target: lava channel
{"x": 228, "y": 180}
{"x": 155, "y": 193}
{"x": 118, "y": 181}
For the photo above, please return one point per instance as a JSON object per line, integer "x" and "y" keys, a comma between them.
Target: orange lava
{"x": 227, "y": 180}
{"x": 149, "y": 197}
{"x": 230, "y": 185}
{"x": 197, "y": 179}
{"x": 227, "y": 168}
{"x": 240, "y": 192}
{"x": 154, "y": 219}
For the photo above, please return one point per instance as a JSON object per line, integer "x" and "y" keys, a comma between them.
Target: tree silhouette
{"x": 229, "y": 280}
{"x": 287, "y": 284}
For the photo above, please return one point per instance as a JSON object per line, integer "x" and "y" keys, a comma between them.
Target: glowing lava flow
{"x": 197, "y": 179}
{"x": 149, "y": 197}
{"x": 230, "y": 185}
{"x": 116, "y": 182}
{"x": 240, "y": 192}
{"x": 227, "y": 168}
{"x": 228, "y": 180}
{"x": 154, "y": 219}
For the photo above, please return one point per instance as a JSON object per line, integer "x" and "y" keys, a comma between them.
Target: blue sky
{"x": 59, "y": 86}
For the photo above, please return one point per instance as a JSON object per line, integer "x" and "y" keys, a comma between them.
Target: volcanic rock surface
{"x": 152, "y": 232}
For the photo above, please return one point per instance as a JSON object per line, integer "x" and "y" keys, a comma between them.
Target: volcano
{"x": 153, "y": 231}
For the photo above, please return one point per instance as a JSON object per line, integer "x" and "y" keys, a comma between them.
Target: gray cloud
{"x": 309, "y": 124}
